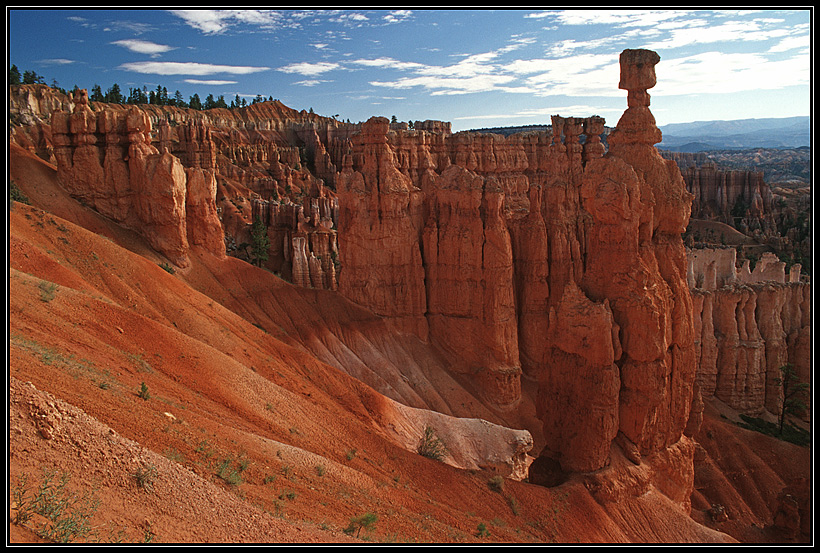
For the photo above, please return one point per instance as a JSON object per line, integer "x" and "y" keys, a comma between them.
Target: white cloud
{"x": 719, "y": 72}
{"x": 56, "y": 61}
{"x": 397, "y": 16}
{"x": 517, "y": 42}
{"x": 791, "y": 43}
{"x": 576, "y": 110}
{"x": 219, "y": 21}
{"x": 351, "y": 19}
{"x": 579, "y": 75}
{"x": 309, "y": 69}
{"x": 188, "y": 68}
{"x": 209, "y": 82}
{"x": 311, "y": 82}
{"x": 619, "y": 18}
{"x": 730, "y": 31}
{"x": 389, "y": 63}
{"x": 452, "y": 85}
{"x": 143, "y": 46}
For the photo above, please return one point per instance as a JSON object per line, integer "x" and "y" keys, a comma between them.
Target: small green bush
{"x": 496, "y": 483}
{"x": 362, "y": 522}
{"x": 16, "y": 195}
{"x": 143, "y": 393}
{"x": 167, "y": 267}
{"x": 431, "y": 446}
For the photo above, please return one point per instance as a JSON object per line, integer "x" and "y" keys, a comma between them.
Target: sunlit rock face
{"x": 537, "y": 256}
{"x": 106, "y": 160}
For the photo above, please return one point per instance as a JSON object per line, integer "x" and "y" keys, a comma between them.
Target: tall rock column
{"x": 469, "y": 278}
{"x": 379, "y": 220}
{"x": 650, "y": 299}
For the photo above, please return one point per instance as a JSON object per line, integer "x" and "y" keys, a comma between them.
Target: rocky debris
{"x": 717, "y": 513}
{"x": 792, "y": 515}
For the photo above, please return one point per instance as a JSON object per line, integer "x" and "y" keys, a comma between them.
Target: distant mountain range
{"x": 787, "y": 132}
{"x": 699, "y": 136}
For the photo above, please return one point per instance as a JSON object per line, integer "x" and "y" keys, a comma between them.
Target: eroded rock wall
{"x": 106, "y": 160}
{"x": 537, "y": 255}
{"x": 744, "y": 334}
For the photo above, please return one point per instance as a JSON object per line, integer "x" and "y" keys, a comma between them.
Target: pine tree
{"x": 96, "y": 94}
{"x": 114, "y": 96}
{"x": 260, "y": 243}
{"x": 30, "y": 77}
{"x": 195, "y": 102}
{"x": 14, "y": 75}
{"x": 794, "y": 392}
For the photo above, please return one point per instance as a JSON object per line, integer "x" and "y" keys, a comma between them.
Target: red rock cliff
{"x": 540, "y": 256}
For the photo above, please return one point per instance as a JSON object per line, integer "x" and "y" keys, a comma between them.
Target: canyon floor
{"x": 186, "y": 409}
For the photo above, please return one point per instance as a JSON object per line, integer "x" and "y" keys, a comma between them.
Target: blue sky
{"x": 474, "y": 68}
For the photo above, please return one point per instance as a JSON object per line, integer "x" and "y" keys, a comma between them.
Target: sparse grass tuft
{"x": 47, "y": 291}
{"x": 68, "y": 514}
{"x": 145, "y": 477}
{"x": 232, "y": 476}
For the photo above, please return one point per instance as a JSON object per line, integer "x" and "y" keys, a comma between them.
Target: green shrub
{"x": 362, "y": 522}
{"x": 431, "y": 446}
{"x": 143, "y": 393}
{"x": 16, "y": 195}
{"x": 167, "y": 267}
{"x": 496, "y": 483}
